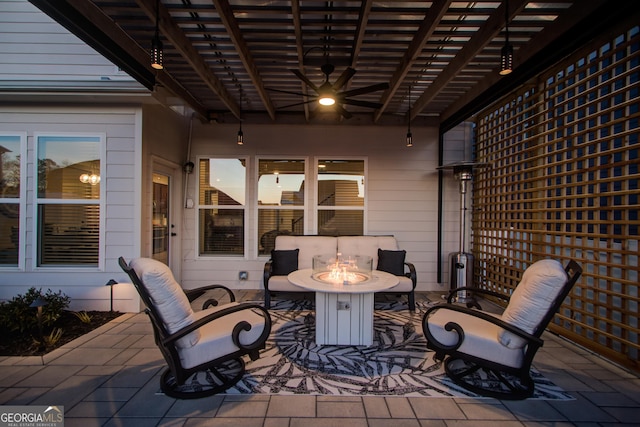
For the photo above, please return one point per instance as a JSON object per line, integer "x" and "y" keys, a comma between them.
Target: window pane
{"x": 9, "y": 166}
{"x": 341, "y": 183}
{"x": 221, "y": 231}
{"x": 281, "y": 182}
{"x": 222, "y": 182}
{"x": 275, "y": 222}
{"x": 68, "y": 167}
{"x": 340, "y": 223}
{"x": 9, "y": 233}
{"x": 68, "y": 234}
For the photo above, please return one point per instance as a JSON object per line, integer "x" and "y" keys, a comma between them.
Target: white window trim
{"x": 101, "y": 203}
{"x": 364, "y": 207}
{"x": 246, "y": 207}
{"x": 22, "y": 203}
{"x": 254, "y": 200}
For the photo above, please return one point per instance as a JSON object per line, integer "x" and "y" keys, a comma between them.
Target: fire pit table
{"x": 344, "y": 299}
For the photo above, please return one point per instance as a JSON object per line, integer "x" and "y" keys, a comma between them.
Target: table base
{"x": 344, "y": 319}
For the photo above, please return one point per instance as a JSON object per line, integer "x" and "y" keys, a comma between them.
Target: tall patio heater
{"x": 461, "y": 262}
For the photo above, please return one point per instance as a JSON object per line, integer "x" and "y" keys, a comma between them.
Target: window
{"x": 280, "y": 200}
{"x": 68, "y": 200}
{"x": 340, "y": 197}
{"x": 221, "y": 206}
{"x": 10, "y": 157}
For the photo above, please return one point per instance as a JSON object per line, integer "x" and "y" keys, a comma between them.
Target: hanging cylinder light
{"x": 409, "y": 140}
{"x": 157, "y": 54}
{"x": 506, "y": 54}
{"x": 240, "y": 139}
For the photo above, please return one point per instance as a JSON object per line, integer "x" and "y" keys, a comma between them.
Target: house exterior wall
{"x": 402, "y": 191}
{"x": 120, "y": 209}
{"x": 35, "y": 49}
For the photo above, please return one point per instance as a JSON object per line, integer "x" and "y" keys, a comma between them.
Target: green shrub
{"x": 16, "y": 315}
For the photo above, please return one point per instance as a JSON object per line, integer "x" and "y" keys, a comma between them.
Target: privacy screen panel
{"x": 563, "y": 184}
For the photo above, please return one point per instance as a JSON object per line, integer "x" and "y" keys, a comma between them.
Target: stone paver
{"x": 112, "y": 379}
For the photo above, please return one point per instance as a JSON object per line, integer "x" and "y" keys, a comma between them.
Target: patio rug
{"x": 397, "y": 364}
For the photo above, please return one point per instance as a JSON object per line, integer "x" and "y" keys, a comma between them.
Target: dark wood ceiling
{"x": 232, "y": 59}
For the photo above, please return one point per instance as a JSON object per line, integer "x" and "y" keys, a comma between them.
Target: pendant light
{"x": 506, "y": 54}
{"x": 240, "y": 138}
{"x": 409, "y": 135}
{"x": 156, "y": 44}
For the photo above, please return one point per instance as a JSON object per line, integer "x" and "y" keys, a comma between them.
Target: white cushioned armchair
{"x": 501, "y": 346}
{"x": 212, "y": 340}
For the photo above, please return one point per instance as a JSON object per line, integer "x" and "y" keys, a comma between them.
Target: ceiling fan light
{"x": 326, "y": 100}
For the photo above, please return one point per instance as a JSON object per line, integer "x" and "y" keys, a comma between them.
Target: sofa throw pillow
{"x": 284, "y": 262}
{"x": 391, "y": 262}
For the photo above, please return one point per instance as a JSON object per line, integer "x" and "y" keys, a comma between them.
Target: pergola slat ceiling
{"x": 224, "y": 58}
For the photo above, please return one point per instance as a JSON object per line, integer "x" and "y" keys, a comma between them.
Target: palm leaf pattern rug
{"x": 397, "y": 364}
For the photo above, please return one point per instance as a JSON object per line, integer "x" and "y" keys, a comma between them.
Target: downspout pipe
{"x": 440, "y": 203}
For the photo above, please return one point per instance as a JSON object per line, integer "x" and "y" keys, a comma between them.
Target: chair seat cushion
{"x": 282, "y": 284}
{"x": 480, "y": 337}
{"x": 215, "y": 337}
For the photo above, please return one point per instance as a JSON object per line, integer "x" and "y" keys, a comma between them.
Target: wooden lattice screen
{"x": 563, "y": 183}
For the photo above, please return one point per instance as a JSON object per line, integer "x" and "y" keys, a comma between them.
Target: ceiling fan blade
{"x": 366, "y": 89}
{"x": 297, "y": 103}
{"x": 341, "y": 110}
{"x": 305, "y": 79}
{"x": 344, "y": 78}
{"x": 367, "y": 104}
{"x": 287, "y": 91}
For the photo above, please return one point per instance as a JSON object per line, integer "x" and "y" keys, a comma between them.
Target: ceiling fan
{"x": 328, "y": 94}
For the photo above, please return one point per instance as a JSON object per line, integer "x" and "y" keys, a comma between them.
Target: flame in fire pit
{"x": 342, "y": 272}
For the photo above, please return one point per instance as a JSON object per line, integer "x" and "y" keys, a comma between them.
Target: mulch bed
{"x": 17, "y": 344}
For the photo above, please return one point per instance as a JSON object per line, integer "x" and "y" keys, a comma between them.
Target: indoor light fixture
{"x": 506, "y": 54}
{"x": 92, "y": 179}
{"x": 409, "y": 135}
{"x": 156, "y": 44}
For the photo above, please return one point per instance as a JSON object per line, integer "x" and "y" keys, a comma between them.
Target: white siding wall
{"x": 35, "y": 48}
{"x": 402, "y": 190}
{"x": 120, "y": 192}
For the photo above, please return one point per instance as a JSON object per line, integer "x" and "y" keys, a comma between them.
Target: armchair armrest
{"x": 412, "y": 273}
{"x": 532, "y": 340}
{"x": 193, "y": 294}
{"x": 452, "y": 293}
{"x": 267, "y": 273}
{"x": 237, "y": 329}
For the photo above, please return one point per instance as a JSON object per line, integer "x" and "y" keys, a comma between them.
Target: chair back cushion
{"x": 366, "y": 245}
{"x": 532, "y": 299}
{"x": 308, "y": 246}
{"x": 170, "y": 301}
